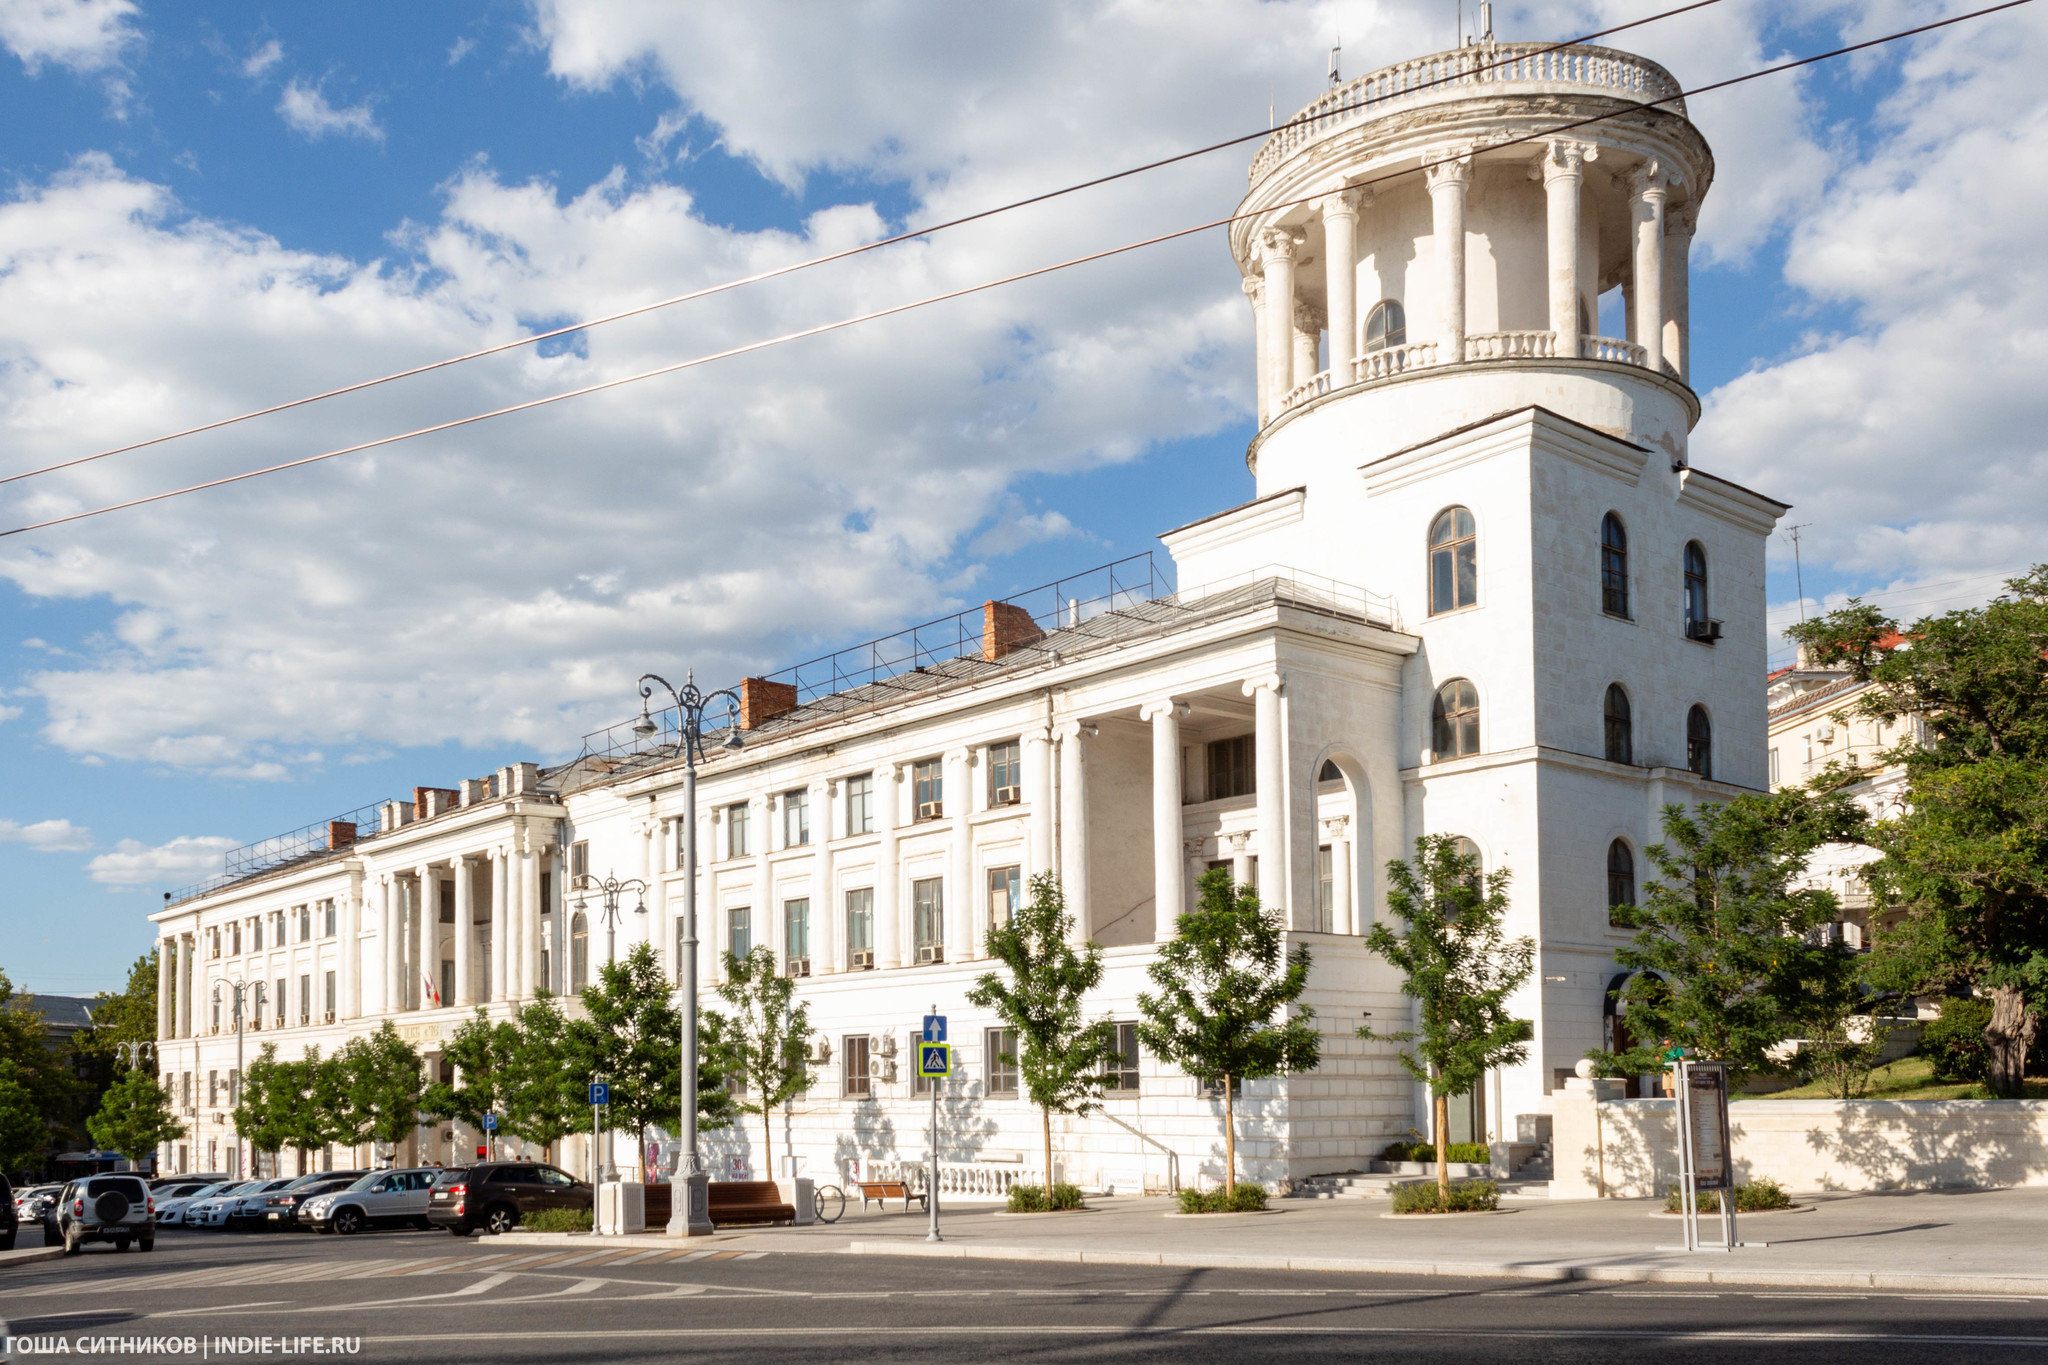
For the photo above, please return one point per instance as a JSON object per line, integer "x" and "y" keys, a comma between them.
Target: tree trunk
{"x": 2009, "y": 1035}
{"x": 767, "y": 1142}
{"x": 1045, "y": 1119}
{"x": 1443, "y": 1150}
{"x": 1229, "y": 1142}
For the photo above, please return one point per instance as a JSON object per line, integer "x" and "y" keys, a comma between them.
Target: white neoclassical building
{"x": 1480, "y": 591}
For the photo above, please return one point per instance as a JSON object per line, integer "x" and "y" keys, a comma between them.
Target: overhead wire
{"x": 776, "y": 272}
{"x": 982, "y": 287}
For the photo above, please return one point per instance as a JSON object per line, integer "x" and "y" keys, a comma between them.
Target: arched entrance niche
{"x": 1616, "y": 1037}
{"x": 1344, "y": 824}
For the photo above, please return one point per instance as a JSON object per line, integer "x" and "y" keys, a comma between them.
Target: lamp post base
{"x": 691, "y": 1214}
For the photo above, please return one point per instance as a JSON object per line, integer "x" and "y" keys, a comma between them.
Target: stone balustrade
{"x": 1479, "y": 347}
{"x": 1611, "y": 348}
{"x": 1393, "y": 360}
{"x": 1510, "y": 345}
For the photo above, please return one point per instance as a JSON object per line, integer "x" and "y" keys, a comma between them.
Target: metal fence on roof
{"x": 316, "y": 840}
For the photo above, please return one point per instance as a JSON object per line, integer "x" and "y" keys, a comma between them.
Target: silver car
{"x": 380, "y": 1199}
{"x": 211, "y": 1211}
{"x": 171, "y": 1212}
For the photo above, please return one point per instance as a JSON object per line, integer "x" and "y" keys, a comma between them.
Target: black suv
{"x": 9, "y": 1223}
{"x": 102, "y": 1208}
{"x": 496, "y": 1195}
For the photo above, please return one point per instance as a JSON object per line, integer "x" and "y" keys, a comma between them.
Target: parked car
{"x": 170, "y": 1212}
{"x": 102, "y": 1208}
{"x": 211, "y": 1211}
{"x": 10, "y": 1216}
{"x": 157, "y": 1183}
{"x": 245, "y": 1210}
{"x": 496, "y": 1195}
{"x": 379, "y": 1199}
{"x": 281, "y": 1207}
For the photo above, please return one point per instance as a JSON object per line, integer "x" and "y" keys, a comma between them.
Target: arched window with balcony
{"x": 579, "y": 952}
{"x": 1621, "y": 879}
{"x": 1699, "y": 742}
{"x": 1453, "y": 560}
{"x": 1696, "y": 617}
{"x": 1386, "y": 326}
{"x": 1454, "y": 719}
{"x": 1619, "y": 724}
{"x": 1613, "y": 566}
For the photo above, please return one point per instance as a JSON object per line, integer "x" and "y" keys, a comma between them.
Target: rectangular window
{"x": 999, "y": 1060}
{"x": 928, "y": 917}
{"x": 1005, "y": 894}
{"x": 579, "y": 859}
{"x": 1123, "y": 1066}
{"x": 328, "y": 995}
{"x": 853, "y": 1067}
{"x": 737, "y": 844}
{"x": 930, "y": 779}
{"x": 860, "y": 928}
{"x": 213, "y": 1090}
{"x": 255, "y": 935}
{"x": 860, "y": 805}
{"x": 1231, "y": 771}
{"x": 796, "y": 819}
{"x": 185, "y": 1086}
{"x": 306, "y": 998}
{"x": 447, "y": 893}
{"x": 796, "y": 936}
{"x": 1774, "y": 767}
{"x": 280, "y": 1002}
{"x": 1005, "y": 774}
{"x": 328, "y": 928}
{"x": 739, "y": 931}
{"x": 1326, "y": 890}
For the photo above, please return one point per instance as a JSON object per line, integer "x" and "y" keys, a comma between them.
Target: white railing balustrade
{"x": 1609, "y": 348}
{"x": 1393, "y": 360}
{"x": 1480, "y": 346}
{"x": 1510, "y": 345}
{"x": 1301, "y": 393}
{"x": 958, "y": 1180}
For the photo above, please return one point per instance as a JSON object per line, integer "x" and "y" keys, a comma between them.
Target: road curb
{"x": 2030, "y": 1286}
{"x": 30, "y": 1255}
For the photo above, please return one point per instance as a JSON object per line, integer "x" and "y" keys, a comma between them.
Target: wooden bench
{"x": 748, "y": 1201}
{"x": 877, "y": 1191}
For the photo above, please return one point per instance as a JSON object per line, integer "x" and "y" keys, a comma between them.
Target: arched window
{"x": 1621, "y": 879}
{"x": 1453, "y": 561}
{"x": 1699, "y": 742}
{"x": 1613, "y": 566}
{"x": 579, "y": 952}
{"x": 1620, "y": 726}
{"x": 1465, "y": 848}
{"x": 1454, "y": 720}
{"x": 1386, "y": 325}
{"x": 1695, "y": 590}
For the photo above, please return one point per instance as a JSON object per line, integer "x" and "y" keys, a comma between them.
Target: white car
{"x": 211, "y": 1211}
{"x": 171, "y": 1212}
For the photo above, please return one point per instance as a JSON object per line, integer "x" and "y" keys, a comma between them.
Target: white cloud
{"x": 134, "y": 863}
{"x": 306, "y": 109}
{"x": 1016, "y": 528}
{"x": 47, "y": 836}
{"x": 459, "y": 49}
{"x": 258, "y": 64}
{"x": 80, "y": 35}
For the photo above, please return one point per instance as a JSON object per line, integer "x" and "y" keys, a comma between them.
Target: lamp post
{"x": 240, "y": 989}
{"x": 132, "y": 1055}
{"x": 609, "y": 890}
{"x": 690, "y": 1215}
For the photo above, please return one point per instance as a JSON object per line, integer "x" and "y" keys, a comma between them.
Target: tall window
{"x": 1613, "y": 566}
{"x": 796, "y": 936}
{"x": 579, "y": 859}
{"x": 328, "y": 994}
{"x": 1467, "y": 849}
{"x": 1326, "y": 889}
{"x": 1005, "y": 774}
{"x": 739, "y": 930}
{"x": 1620, "y": 726}
{"x": 999, "y": 1059}
{"x": 306, "y": 998}
{"x": 928, "y": 918}
{"x": 1621, "y": 878}
{"x": 1386, "y": 325}
{"x": 860, "y": 927}
{"x": 1454, "y": 719}
{"x": 796, "y": 819}
{"x": 1695, "y": 589}
{"x": 579, "y": 952}
{"x": 738, "y": 844}
{"x": 853, "y": 1067}
{"x": 1453, "y": 561}
{"x": 1005, "y": 894}
{"x": 255, "y": 935}
{"x": 860, "y": 805}
{"x": 1699, "y": 742}
{"x": 930, "y": 778}
{"x": 1232, "y": 769}
{"x": 327, "y": 929}
{"x": 1122, "y": 1069}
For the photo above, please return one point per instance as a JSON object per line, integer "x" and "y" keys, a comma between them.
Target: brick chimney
{"x": 1006, "y": 626}
{"x": 340, "y": 834}
{"x": 428, "y": 802}
{"x": 762, "y": 701}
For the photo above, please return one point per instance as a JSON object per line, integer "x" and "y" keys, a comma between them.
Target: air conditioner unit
{"x": 327, "y": 1018}
{"x": 881, "y": 1045}
{"x": 821, "y": 1050}
{"x": 881, "y": 1069}
{"x": 930, "y": 952}
{"x": 1008, "y": 796}
{"x": 1707, "y": 631}
{"x": 1826, "y": 733}
{"x": 799, "y": 966}
{"x": 863, "y": 961}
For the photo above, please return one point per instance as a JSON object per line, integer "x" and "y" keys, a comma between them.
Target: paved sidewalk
{"x": 1976, "y": 1241}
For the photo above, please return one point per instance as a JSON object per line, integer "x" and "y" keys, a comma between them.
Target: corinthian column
{"x": 888, "y": 923}
{"x": 1647, "y": 186}
{"x": 1167, "y": 890}
{"x": 166, "y": 956}
{"x": 1308, "y": 335}
{"x": 1074, "y": 828}
{"x": 1564, "y": 174}
{"x": 1269, "y": 747}
{"x": 1340, "y": 282}
{"x": 465, "y": 934}
{"x": 1447, "y": 181}
{"x": 1277, "y": 248}
{"x": 1255, "y": 290}
{"x": 1678, "y": 229}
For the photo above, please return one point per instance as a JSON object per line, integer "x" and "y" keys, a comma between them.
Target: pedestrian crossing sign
{"x": 934, "y": 1059}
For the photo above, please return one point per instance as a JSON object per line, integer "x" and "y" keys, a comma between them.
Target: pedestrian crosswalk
{"x": 315, "y": 1270}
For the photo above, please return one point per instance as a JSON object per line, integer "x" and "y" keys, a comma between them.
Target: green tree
{"x": 381, "y": 1083}
{"x": 135, "y": 1117}
{"x": 24, "y": 1043}
{"x": 766, "y": 1042}
{"x": 264, "y": 1109}
{"x": 24, "y": 1129}
{"x": 539, "y": 1082}
{"x": 478, "y": 1050}
{"x": 124, "y": 1016}
{"x": 1459, "y": 966}
{"x": 1726, "y": 959}
{"x": 633, "y": 1038}
{"x": 1966, "y": 857}
{"x": 1061, "y": 1057}
{"x": 1224, "y": 981}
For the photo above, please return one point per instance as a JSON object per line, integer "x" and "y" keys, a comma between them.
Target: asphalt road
{"x": 406, "y": 1296}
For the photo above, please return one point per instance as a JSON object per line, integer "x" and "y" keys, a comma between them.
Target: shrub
{"x": 1955, "y": 1041}
{"x": 1426, "y": 1152}
{"x": 1467, "y": 1196}
{"x": 557, "y": 1220}
{"x": 1758, "y": 1195}
{"x": 1031, "y": 1198}
{"x": 1246, "y": 1198}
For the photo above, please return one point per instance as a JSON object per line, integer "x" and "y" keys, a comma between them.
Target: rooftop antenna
{"x": 1485, "y": 21}
{"x": 1335, "y": 53}
{"x": 1798, "y": 575}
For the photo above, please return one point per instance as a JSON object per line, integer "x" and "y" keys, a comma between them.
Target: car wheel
{"x": 7, "y": 1242}
{"x": 72, "y": 1243}
{"x": 348, "y": 1222}
{"x": 458, "y": 1232}
{"x": 147, "y": 1244}
{"x": 122, "y": 1243}
{"x": 501, "y": 1218}
{"x": 51, "y": 1237}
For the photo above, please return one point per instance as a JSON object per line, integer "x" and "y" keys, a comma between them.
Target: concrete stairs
{"x": 1347, "y": 1185}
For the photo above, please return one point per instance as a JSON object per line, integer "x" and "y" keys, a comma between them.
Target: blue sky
{"x": 247, "y": 200}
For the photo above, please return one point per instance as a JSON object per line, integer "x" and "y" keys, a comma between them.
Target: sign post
{"x": 1706, "y": 1158}
{"x": 491, "y": 1133}
{"x": 934, "y": 1063}
{"x": 600, "y": 1100}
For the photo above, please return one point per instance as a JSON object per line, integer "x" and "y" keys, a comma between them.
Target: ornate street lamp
{"x": 609, "y": 890}
{"x": 240, "y": 988}
{"x": 690, "y": 1215}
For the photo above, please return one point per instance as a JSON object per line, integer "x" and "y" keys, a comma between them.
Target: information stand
{"x": 1706, "y": 1158}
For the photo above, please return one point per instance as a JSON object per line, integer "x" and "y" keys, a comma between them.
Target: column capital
{"x": 1345, "y": 203}
{"x": 960, "y": 754}
{"x": 1278, "y": 242}
{"x": 1238, "y": 841}
{"x": 1336, "y": 825}
{"x": 1076, "y": 728}
{"x": 1161, "y": 706}
{"x": 1307, "y": 317}
{"x": 1254, "y": 287}
{"x": 1650, "y": 180}
{"x": 1270, "y": 682}
{"x": 1194, "y": 848}
{"x": 1453, "y": 166}
{"x": 1682, "y": 220}
{"x": 1566, "y": 158}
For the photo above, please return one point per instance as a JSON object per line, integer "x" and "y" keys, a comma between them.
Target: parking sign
{"x": 600, "y": 1092}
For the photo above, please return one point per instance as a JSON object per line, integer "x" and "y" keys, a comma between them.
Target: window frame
{"x": 796, "y": 818}
{"x": 855, "y": 1083}
{"x": 1699, "y": 741}
{"x": 867, "y": 936}
{"x": 1011, "y": 888}
{"x": 1005, "y": 759}
{"x": 1000, "y": 1079}
{"x": 1621, "y": 726}
{"x": 1449, "y": 720}
{"x": 739, "y": 840}
{"x": 928, "y": 789}
{"x": 1126, "y": 1072}
{"x": 579, "y": 952}
{"x": 791, "y": 958}
{"x": 928, "y": 919}
{"x": 740, "y": 917}
{"x": 1458, "y": 547}
{"x": 1614, "y": 566}
{"x": 860, "y": 788}
{"x": 579, "y": 859}
{"x": 1392, "y": 318}
{"x": 1698, "y": 599}
{"x": 1222, "y": 759}
{"x": 1621, "y": 879}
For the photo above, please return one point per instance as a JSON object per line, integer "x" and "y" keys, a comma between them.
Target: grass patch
{"x": 1475, "y": 1152}
{"x": 1909, "y": 1078}
{"x": 1757, "y": 1196}
{"x": 1246, "y": 1198}
{"x": 1031, "y": 1198}
{"x": 1467, "y": 1196}
{"x": 556, "y": 1220}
